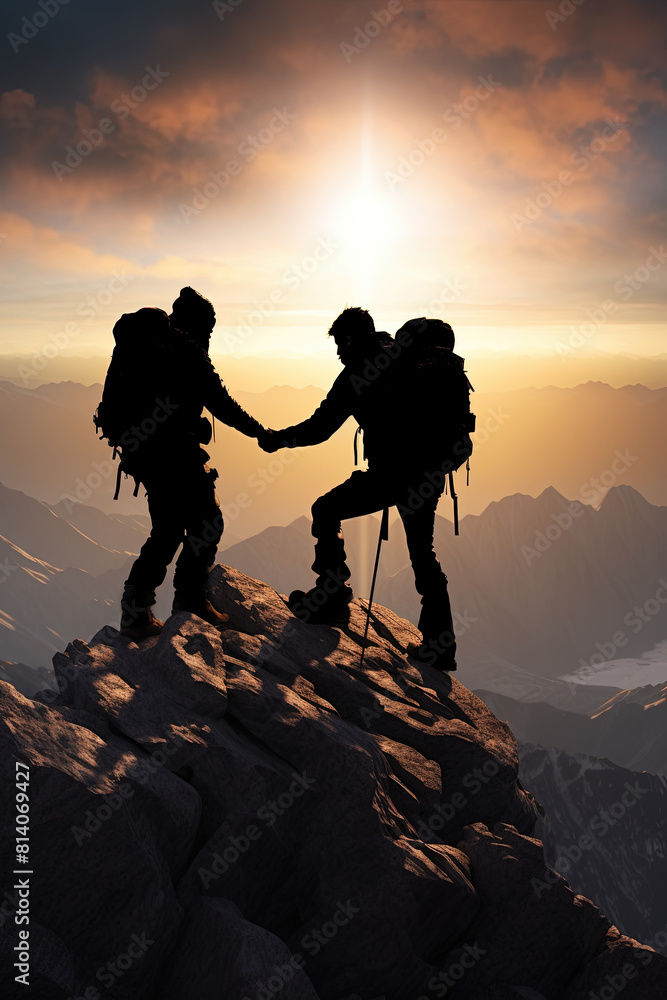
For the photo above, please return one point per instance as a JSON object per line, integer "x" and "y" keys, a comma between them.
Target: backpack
{"x": 136, "y": 384}
{"x": 440, "y": 389}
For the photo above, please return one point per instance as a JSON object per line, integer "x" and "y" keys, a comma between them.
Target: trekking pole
{"x": 384, "y": 535}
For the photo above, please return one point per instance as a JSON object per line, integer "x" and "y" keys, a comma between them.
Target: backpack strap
{"x": 357, "y": 435}
{"x": 455, "y": 501}
{"x": 119, "y": 474}
{"x": 118, "y": 478}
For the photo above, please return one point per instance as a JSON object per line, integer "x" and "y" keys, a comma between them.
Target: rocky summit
{"x": 252, "y": 815}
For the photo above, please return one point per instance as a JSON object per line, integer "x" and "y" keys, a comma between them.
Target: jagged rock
{"x": 285, "y": 811}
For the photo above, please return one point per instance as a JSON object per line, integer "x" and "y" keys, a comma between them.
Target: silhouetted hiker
{"x": 159, "y": 380}
{"x": 410, "y": 396}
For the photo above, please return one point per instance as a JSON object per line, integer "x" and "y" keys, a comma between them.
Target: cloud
{"x": 119, "y": 191}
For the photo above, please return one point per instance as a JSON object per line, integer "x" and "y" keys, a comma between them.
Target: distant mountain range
{"x": 537, "y": 584}
{"x": 605, "y": 833}
{"x": 597, "y": 437}
{"x": 62, "y": 569}
{"x": 630, "y": 728}
{"x": 494, "y": 370}
{"x": 524, "y": 617}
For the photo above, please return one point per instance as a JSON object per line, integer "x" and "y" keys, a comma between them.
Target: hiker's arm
{"x": 224, "y": 407}
{"x": 331, "y": 414}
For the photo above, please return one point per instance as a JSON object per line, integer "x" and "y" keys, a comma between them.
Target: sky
{"x": 497, "y": 164}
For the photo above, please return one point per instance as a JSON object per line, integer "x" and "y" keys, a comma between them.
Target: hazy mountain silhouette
{"x": 53, "y": 425}
{"x": 495, "y": 370}
{"x": 541, "y": 611}
{"x": 57, "y": 577}
{"x": 522, "y": 622}
{"x": 605, "y": 832}
{"x": 630, "y": 728}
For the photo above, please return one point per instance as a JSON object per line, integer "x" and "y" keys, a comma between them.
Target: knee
{"x": 166, "y": 535}
{"x": 319, "y": 509}
{"x": 323, "y": 518}
{"x": 217, "y": 523}
{"x": 209, "y": 530}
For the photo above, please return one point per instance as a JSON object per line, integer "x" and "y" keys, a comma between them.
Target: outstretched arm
{"x": 224, "y": 407}
{"x": 331, "y": 414}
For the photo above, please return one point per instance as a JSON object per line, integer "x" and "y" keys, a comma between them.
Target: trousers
{"x": 366, "y": 493}
{"x": 184, "y": 510}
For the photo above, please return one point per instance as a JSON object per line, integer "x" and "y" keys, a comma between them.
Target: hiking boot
{"x": 319, "y": 607}
{"x": 137, "y": 621}
{"x": 431, "y": 654}
{"x": 201, "y": 607}
{"x": 143, "y": 627}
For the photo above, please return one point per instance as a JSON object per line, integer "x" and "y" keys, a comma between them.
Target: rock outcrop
{"x": 253, "y": 815}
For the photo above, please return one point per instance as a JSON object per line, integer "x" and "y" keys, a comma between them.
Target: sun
{"x": 365, "y": 221}
{"x": 366, "y": 218}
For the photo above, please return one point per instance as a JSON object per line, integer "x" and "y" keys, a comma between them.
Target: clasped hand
{"x": 269, "y": 440}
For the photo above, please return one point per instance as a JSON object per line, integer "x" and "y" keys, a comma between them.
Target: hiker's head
{"x": 445, "y": 334}
{"x": 353, "y": 332}
{"x": 195, "y": 315}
